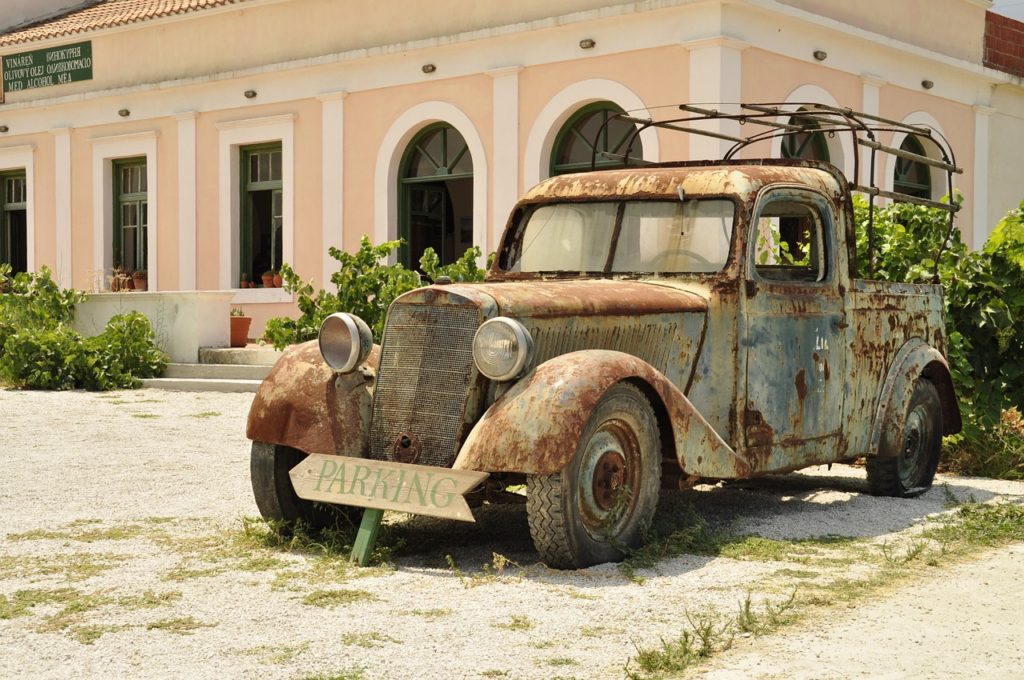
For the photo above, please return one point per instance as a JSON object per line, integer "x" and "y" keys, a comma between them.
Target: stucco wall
{"x": 760, "y": 50}
{"x": 953, "y": 27}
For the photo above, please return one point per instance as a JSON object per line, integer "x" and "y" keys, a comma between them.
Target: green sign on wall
{"x": 51, "y": 66}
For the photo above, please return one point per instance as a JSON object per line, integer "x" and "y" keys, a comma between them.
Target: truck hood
{"x": 664, "y": 326}
{"x": 555, "y": 299}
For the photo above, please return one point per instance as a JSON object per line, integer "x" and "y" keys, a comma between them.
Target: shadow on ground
{"x": 783, "y": 507}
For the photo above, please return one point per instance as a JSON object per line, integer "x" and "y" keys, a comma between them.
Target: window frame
{"x": 232, "y": 135}
{"x": 246, "y": 187}
{"x": 908, "y": 167}
{"x": 813, "y": 200}
{"x": 569, "y": 127}
{"x": 6, "y": 208}
{"x": 121, "y": 198}
{"x": 524, "y": 214}
{"x": 407, "y": 181}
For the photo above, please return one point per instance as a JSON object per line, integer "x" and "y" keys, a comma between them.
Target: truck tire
{"x": 276, "y": 498}
{"x": 602, "y": 503}
{"x": 909, "y": 471}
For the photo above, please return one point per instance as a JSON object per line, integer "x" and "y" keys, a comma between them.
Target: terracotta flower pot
{"x": 240, "y": 330}
{"x": 278, "y": 280}
{"x": 140, "y": 283}
{"x": 268, "y": 281}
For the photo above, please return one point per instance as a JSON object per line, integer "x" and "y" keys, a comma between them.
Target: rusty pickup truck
{"x": 640, "y": 328}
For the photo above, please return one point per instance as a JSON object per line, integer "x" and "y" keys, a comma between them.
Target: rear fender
{"x": 916, "y": 358}
{"x": 304, "y": 404}
{"x": 535, "y": 427}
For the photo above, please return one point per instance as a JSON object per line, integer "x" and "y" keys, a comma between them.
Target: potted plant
{"x": 120, "y": 279}
{"x": 239, "y": 327}
{"x": 140, "y": 280}
{"x": 244, "y": 283}
{"x": 268, "y": 278}
{"x": 277, "y": 279}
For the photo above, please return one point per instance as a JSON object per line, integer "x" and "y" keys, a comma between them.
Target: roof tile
{"x": 106, "y": 14}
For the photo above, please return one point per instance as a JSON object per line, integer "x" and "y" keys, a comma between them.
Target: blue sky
{"x": 1010, "y": 8}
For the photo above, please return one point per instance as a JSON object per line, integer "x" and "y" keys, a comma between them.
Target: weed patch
{"x": 69, "y": 566}
{"x": 333, "y": 598}
{"x": 431, "y": 614}
{"x": 21, "y": 602}
{"x": 368, "y": 640}
{"x": 148, "y": 600}
{"x": 181, "y": 625}
{"x": 277, "y": 655}
{"x": 516, "y": 622}
{"x": 89, "y": 634}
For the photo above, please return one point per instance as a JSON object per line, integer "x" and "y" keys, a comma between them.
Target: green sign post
{"x": 47, "y": 67}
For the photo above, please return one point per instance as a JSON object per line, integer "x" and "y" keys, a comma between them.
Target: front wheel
{"x": 276, "y": 498}
{"x": 602, "y": 503}
{"x": 909, "y": 470}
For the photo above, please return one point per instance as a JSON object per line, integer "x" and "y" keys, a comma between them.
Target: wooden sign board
{"x": 418, "y": 489}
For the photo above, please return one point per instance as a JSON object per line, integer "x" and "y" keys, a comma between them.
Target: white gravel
{"x": 77, "y": 462}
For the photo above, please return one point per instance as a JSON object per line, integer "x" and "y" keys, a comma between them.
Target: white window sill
{"x": 247, "y": 296}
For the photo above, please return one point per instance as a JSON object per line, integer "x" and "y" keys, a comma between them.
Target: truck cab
{"x": 638, "y": 327}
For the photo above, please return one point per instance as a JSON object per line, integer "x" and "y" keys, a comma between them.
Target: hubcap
{"x": 609, "y": 477}
{"x": 606, "y": 473}
{"x": 913, "y": 459}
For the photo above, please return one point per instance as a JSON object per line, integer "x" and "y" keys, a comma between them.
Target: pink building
{"x": 204, "y": 141}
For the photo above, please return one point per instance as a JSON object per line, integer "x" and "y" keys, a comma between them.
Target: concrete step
{"x": 202, "y": 384}
{"x": 251, "y": 355}
{"x": 217, "y": 371}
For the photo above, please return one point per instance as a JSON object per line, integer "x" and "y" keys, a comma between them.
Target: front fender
{"x": 304, "y": 404}
{"x": 916, "y": 358}
{"x": 535, "y": 427}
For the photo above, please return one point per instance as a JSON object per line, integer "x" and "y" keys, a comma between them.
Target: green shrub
{"x": 40, "y": 350}
{"x": 363, "y": 286}
{"x": 42, "y": 358}
{"x": 122, "y": 354}
{"x": 984, "y": 307}
{"x": 33, "y": 301}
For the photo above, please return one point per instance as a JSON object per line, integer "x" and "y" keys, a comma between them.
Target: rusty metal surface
{"x": 742, "y": 179}
{"x": 896, "y": 329}
{"x": 748, "y": 376}
{"x": 916, "y": 358}
{"x": 573, "y": 298}
{"x": 535, "y": 426}
{"x": 424, "y": 382}
{"x": 304, "y": 404}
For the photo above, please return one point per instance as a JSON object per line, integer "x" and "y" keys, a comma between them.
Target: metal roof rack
{"x": 766, "y": 121}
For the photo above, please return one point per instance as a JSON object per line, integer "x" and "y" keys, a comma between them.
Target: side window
{"x": 261, "y": 234}
{"x": 131, "y": 214}
{"x": 790, "y": 241}
{"x": 13, "y": 235}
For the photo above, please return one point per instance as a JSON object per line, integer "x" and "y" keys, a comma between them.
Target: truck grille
{"x": 423, "y": 380}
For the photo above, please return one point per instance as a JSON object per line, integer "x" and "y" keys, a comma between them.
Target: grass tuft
{"x": 180, "y": 625}
{"x": 333, "y": 598}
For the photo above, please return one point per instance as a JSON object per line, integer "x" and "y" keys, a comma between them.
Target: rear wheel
{"x": 276, "y": 498}
{"x": 602, "y": 503}
{"x": 909, "y": 470}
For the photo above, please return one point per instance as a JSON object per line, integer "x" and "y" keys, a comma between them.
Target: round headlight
{"x": 345, "y": 341}
{"x": 502, "y": 348}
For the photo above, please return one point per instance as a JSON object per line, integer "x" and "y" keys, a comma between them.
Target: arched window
{"x": 810, "y": 145}
{"x": 575, "y": 142}
{"x": 912, "y": 177}
{"x": 436, "y": 193}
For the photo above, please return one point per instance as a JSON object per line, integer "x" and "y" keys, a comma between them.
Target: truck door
{"x": 795, "y": 333}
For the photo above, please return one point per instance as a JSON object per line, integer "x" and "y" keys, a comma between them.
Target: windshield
{"x": 691, "y": 236}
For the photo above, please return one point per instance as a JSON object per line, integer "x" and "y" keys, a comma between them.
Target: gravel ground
{"x": 121, "y": 537}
